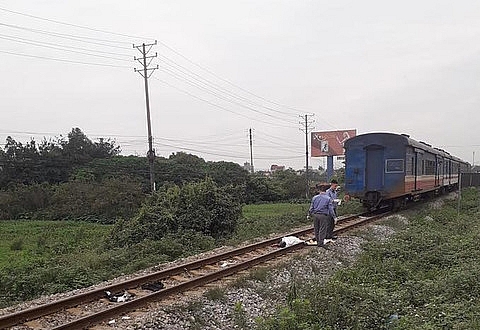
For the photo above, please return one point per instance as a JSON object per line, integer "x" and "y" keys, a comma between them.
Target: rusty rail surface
{"x": 344, "y": 224}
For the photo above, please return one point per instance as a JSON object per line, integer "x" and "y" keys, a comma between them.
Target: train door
{"x": 439, "y": 171}
{"x": 419, "y": 164}
{"x": 445, "y": 171}
{"x": 415, "y": 169}
{"x": 449, "y": 169}
{"x": 374, "y": 168}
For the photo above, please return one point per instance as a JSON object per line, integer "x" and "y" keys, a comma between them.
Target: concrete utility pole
{"x": 308, "y": 126}
{"x": 251, "y": 152}
{"x": 146, "y": 72}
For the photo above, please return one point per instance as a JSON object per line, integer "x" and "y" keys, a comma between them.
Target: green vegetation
{"x": 263, "y": 219}
{"x": 43, "y": 257}
{"x": 240, "y": 316}
{"x": 198, "y": 208}
{"x": 216, "y": 294}
{"x": 426, "y": 277}
{"x": 106, "y": 222}
{"x": 74, "y": 178}
{"x": 46, "y": 256}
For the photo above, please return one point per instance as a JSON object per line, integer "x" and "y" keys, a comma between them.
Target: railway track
{"x": 140, "y": 291}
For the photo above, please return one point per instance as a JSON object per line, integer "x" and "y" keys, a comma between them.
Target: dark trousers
{"x": 331, "y": 225}
{"x": 320, "y": 227}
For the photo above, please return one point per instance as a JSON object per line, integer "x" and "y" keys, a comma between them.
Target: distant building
{"x": 275, "y": 168}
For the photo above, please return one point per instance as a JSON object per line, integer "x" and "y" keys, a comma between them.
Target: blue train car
{"x": 388, "y": 168}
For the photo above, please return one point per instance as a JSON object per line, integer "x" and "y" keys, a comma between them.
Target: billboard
{"x": 329, "y": 143}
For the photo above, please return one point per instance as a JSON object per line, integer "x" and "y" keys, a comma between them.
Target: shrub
{"x": 193, "y": 208}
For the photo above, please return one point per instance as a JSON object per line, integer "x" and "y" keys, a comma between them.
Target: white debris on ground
{"x": 255, "y": 295}
{"x": 244, "y": 298}
{"x": 287, "y": 241}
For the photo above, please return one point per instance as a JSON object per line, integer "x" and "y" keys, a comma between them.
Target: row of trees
{"x": 76, "y": 178}
{"x": 50, "y": 161}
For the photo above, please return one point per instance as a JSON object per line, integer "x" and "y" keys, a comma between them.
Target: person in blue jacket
{"x": 321, "y": 209}
{"x": 332, "y": 193}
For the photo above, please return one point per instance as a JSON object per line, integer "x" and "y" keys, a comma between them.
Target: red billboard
{"x": 330, "y": 143}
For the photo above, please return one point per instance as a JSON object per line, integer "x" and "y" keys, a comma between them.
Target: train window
{"x": 394, "y": 166}
{"x": 429, "y": 167}
{"x": 410, "y": 165}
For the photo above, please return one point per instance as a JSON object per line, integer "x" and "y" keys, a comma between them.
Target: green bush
{"x": 196, "y": 207}
{"x": 91, "y": 201}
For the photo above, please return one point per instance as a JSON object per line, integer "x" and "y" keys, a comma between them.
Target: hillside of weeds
{"x": 424, "y": 277}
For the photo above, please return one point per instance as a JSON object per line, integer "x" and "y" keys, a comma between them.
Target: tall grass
{"x": 44, "y": 257}
{"x": 426, "y": 277}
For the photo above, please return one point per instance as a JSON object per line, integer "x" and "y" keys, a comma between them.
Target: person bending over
{"x": 321, "y": 209}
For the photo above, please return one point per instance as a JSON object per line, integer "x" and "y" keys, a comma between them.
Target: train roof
{"x": 411, "y": 142}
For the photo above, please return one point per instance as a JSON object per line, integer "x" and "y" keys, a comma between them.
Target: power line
{"x": 162, "y": 43}
{"x": 216, "y": 105}
{"x": 68, "y": 36}
{"x": 205, "y": 81}
{"x": 63, "y": 60}
{"x": 73, "y": 25}
{"x": 221, "y": 96}
{"x": 227, "y": 81}
{"x": 62, "y": 48}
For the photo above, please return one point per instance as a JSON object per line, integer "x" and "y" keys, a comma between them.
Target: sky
{"x": 226, "y": 68}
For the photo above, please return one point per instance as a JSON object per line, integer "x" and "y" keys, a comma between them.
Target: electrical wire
{"x": 72, "y": 25}
{"x": 188, "y": 81}
{"x": 218, "y": 106}
{"x": 208, "y": 82}
{"x": 62, "y": 48}
{"x": 67, "y": 36}
{"x": 227, "y": 81}
{"x": 63, "y": 60}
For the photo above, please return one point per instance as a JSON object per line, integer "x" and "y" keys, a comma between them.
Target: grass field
{"x": 43, "y": 257}
{"x": 27, "y": 242}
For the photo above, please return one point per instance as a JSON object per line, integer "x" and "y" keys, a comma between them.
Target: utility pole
{"x": 251, "y": 152}
{"x": 307, "y": 127}
{"x": 146, "y": 72}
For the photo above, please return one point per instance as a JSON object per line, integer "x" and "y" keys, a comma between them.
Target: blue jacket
{"x": 322, "y": 204}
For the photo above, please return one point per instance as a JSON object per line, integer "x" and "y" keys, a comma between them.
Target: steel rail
{"x": 202, "y": 280}
{"x": 46, "y": 309}
{"x": 348, "y": 223}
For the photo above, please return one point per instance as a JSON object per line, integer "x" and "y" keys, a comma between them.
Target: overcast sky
{"x": 229, "y": 66}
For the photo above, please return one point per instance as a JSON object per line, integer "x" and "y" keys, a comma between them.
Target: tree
{"x": 200, "y": 207}
{"x": 225, "y": 173}
{"x": 20, "y": 162}
{"x": 52, "y": 161}
{"x": 292, "y": 184}
{"x": 181, "y": 168}
{"x": 260, "y": 188}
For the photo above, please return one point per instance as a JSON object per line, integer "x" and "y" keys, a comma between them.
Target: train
{"x": 389, "y": 169}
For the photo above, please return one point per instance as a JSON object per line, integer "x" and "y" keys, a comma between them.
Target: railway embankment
{"x": 416, "y": 269}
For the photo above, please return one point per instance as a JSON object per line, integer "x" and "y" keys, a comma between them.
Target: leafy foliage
{"x": 75, "y": 200}
{"x": 31, "y": 251}
{"x": 51, "y": 161}
{"x": 75, "y": 178}
{"x": 201, "y": 207}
